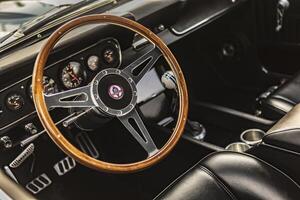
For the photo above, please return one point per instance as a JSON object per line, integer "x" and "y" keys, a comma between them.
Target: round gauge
{"x": 72, "y": 75}
{"x": 110, "y": 55}
{"x": 50, "y": 87}
{"x": 93, "y": 63}
{"x": 15, "y": 102}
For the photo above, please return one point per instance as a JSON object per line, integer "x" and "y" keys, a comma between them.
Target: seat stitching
{"x": 275, "y": 168}
{"x": 283, "y": 130}
{"x": 219, "y": 182}
{"x": 280, "y": 149}
{"x": 275, "y": 108}
{"x": 279, "y": 97}
{"x": 217, "y": 179}
{"x": 176, "y": 180}
{"x": 182, "y": 175}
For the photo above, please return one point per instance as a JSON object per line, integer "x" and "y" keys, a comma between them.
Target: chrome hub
{"x": 114, "y": 92}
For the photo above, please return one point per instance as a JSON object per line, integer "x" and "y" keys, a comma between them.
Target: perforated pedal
{"x": 86, "y": 145}
{"x": 39, "y": 184}
{"x": 64, "y": 166}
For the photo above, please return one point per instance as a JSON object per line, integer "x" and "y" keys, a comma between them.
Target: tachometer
{"x": 15, "y": 102}
{"x": 72, "y": 75}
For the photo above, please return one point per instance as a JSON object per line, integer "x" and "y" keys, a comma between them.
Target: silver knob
{"x": 31, "y": 128}
{"x": 285, "y": 4}
{"x": 169, "y": 80}
{"x": 6, "y": 142}
{"x": 282, "y": 7}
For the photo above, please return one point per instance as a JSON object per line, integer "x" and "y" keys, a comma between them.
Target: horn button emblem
{"x": 116, "y": 92}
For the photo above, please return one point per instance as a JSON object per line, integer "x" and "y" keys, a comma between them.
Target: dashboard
{"x": 82, "y": 56}
{"x": 80, "y": 61}
{"x": 71, "y": 72}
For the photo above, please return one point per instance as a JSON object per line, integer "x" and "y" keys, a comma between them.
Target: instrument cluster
{"x": 74, "y": 71}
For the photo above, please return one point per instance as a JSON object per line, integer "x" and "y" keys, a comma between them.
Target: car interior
{"x": 154, "y": 99}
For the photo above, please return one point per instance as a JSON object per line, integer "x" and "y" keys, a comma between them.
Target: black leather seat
{"x": 232, "y": 176}
{"x": 282, "y": 99}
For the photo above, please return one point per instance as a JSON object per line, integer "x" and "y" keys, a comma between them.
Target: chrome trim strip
{"x": 200, "y": 23}
{"x": 16, "y": 121}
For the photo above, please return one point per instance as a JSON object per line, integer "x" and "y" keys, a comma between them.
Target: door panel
{"x": 279, "y": 51}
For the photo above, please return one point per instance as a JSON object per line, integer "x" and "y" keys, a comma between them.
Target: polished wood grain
{"x": 57, "y": 136}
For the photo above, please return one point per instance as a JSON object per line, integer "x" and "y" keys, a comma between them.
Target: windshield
{"x": 15, "y": 13}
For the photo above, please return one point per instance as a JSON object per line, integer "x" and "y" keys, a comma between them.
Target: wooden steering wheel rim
{"x": 57, "y": 136}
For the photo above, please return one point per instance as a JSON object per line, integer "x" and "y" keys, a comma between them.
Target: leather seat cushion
{"x": 283, "y": 99}
{"x": 229, "y": 175}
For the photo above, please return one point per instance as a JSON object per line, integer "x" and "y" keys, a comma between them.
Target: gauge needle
{"x": 71, "y": 73}
{"x": 74, "y": 77}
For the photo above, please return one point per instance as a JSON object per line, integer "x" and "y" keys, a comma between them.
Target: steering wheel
{"x": 112, "y": 92}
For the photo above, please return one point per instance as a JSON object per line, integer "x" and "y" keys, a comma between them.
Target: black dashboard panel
{"x": 20, "y": 105}
{"x": 198, "y": 13}
{"x": 20, "y": 62}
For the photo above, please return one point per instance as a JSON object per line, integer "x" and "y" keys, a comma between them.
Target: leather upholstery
{"x": 283, "y": 99}
{"x": 286, "y": 139}
{"x": 229, "y": 175}
{"x": 285, "y": 134}
{"x": 13, "y": 190}
{"x": 288, "y": 122}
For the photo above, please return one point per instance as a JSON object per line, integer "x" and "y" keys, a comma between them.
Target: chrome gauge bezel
{"x": 81, "y": 76}
{"x": 90, "y": 65}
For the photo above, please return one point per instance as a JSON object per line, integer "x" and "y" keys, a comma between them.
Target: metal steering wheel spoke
{"x": 69, "y": 98}
{"x": 135, "y": 125}
{"x": 143, "y": 64}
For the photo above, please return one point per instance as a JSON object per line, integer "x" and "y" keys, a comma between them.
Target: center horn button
{"x": 115, "y": 92}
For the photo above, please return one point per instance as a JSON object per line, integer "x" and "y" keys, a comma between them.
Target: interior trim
{"x": 289, "y": 121}
{"x": 12, "y": 189}
{"x": 199, "y": 24}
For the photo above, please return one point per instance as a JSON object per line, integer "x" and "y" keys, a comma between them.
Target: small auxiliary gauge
{"x": 110, "y": 55}
{"x": 15, "y": 102}
{"x": 93, "y": 63}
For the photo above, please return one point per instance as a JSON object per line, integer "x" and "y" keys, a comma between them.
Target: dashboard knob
{"x": 169, "y": 80}
{"x": 6, "y": 142}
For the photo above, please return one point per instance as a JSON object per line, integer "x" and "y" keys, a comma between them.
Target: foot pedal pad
{"x": 86, "y": 145}
{"x": 39, "y": 184}
{"x": 64, "y": 166}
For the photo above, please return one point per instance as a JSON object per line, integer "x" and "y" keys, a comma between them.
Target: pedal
{"x": 86, "y": 145}
{"x": 39, "y": 184}
{"x": 64, "y": 166}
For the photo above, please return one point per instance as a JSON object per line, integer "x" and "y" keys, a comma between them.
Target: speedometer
{"x": 72, "y": 75}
